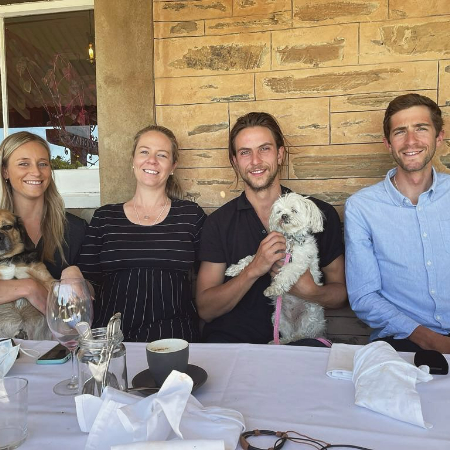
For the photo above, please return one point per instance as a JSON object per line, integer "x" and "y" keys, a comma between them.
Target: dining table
{"x": 275, "y": 387}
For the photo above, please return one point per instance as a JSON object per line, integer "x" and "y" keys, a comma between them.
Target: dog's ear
{"x": 315, "y": 216}
{"x": 27, "y": 242}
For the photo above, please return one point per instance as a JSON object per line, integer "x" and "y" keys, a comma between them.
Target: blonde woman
{"x": 140, "y": 254}
{"x": 29, "y": 191}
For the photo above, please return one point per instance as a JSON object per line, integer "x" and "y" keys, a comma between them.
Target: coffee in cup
{"x": 166, "y": 355}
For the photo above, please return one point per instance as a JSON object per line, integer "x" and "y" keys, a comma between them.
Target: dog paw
{"x": 273, "y": 291}
{"x": 233, "y": 270}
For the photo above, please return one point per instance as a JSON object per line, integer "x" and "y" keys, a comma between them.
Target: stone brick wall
{"x": 325, "y": 68}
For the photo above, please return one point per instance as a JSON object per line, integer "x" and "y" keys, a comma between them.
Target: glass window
{"x": 50, "y": 63}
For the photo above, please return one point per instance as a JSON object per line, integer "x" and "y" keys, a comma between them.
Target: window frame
{"x": 76, "y": 194}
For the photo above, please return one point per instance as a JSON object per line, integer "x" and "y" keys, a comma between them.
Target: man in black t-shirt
{"x": 235, "y": 309}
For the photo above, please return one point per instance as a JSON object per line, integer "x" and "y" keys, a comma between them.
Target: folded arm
{"x": 215, "y": 298}
{"x": 364, "y": 281}
{"x": 33, "y": 291}
{"x": 333, "y": 293}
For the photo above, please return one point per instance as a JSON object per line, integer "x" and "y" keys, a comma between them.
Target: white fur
{"x": 297, "y": 218}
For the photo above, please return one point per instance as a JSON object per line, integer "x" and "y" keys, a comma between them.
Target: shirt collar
{"x": 243, "y": 202}
{"x": 398, "y": 198}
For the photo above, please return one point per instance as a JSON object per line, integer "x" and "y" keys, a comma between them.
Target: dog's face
{"x": 293, "y": 214}
{"x": 13, "y": 236}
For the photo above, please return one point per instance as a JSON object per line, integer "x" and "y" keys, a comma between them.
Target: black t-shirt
{"x": 235, "y": 231}
{"x": 74, "y": 237}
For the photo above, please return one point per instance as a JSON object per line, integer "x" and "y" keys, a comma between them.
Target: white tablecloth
{"x": 274, "y": 387}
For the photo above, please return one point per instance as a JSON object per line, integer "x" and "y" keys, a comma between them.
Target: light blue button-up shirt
{"x": 398, "y": 258}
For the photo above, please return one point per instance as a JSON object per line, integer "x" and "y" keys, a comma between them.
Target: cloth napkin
{"x": 386, "y": 383}
{"x": 119, "y": 418}
{"x": 340, "y": 361}
{"x": 8, "y": 355}
{"x": 173, "y": 445}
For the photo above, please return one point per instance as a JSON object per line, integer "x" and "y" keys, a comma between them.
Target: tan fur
{"x": 20, "y": 318}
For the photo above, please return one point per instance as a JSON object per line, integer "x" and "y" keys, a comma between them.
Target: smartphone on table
{"x": 56, "y": 355}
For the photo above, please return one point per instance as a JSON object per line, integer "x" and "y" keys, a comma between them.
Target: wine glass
{"x": 69, "y": 302}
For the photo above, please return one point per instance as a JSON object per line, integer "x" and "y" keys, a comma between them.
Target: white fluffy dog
{"x": 297, "y": 218}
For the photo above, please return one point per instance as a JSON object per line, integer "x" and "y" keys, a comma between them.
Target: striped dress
{"x": 144, "y": 272}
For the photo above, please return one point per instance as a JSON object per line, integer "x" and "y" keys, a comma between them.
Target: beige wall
{"x": 325, "y": 69}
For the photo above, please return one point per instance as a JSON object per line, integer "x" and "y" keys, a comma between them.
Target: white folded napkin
{"x": 340, "y": 361}
{"x": 119, "y": 418}
{"x": 385, "y": 383}
{"x": 8, "y": 355}
{"x": 173, "y": 445}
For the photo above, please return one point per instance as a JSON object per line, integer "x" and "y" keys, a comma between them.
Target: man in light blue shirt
{"x": 397, "y": 235}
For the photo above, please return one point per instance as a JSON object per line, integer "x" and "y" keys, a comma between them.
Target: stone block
{"x": 191, "y": 159}
{"x": 333, "y": 190}
{"x": 365, "y": 102}
{"x": 303, "y": 121}
{"x": 315, "y": 47}
{"x": 212, "y": 55}
{"x": 179, "y": 29}
{"x": 272, "y": 21}
{"x": 444, "y": 83}
{"x": 173, "y": 11}
{"x": 339, "y": 161}
{"x": 400, "y": 9}
{"x": 210, "y": 187}
{"x": 253, "y": 7}
{"x": 212, "y": 89}
{"x": 357, "y": 127}
{"x": 313, "y": 12}
{"x": 405, "y": 40}
{"x": 346, "y": 80}
{"x": 196, "y": 126}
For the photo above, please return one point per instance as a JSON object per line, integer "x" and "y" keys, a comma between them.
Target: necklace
{"x": 395, "y": 184}
{"x": 146, "y": 217}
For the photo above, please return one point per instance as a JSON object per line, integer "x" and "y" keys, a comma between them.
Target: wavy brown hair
{"x": 173, "y": 187}
{"x": 53, "y": 221}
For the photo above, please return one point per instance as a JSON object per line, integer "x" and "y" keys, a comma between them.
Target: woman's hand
{"x": 71, "y": 272}
{"x": 75, "y": 272}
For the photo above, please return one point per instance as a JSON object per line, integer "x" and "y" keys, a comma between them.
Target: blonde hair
{"x": 53, "y": 221}
{"x": 173, "y": 187}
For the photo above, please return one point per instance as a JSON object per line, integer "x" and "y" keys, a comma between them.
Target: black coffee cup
{"x": 166, "y": 355}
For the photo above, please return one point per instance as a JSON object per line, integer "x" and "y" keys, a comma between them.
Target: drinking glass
{"x": 69, "y": 302}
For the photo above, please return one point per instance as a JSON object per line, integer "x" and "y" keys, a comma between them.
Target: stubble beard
{"x": 425, "y": 162}
{"x": 255, "y": 188}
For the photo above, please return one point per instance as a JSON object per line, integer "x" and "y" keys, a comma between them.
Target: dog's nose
{"x": 285, "y": 218}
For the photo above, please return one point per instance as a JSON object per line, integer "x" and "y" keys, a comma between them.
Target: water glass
{"x": 13, "y": 412}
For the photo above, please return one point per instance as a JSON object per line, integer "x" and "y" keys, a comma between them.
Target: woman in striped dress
{"x": 139, "y": 255}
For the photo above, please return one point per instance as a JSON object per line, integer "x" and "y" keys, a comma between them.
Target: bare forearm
{"x": 34, "y": 292}
{"x": 430, "y": 340}
{"x": 218, "y": 300}
{"x": 331, "y": 295}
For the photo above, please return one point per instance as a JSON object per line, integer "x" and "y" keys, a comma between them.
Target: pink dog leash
{"x": 276, "y": 332}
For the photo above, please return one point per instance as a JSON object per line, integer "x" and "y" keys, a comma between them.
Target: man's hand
{"x": 271, "y": 251}
{"x": 430, "y": 340}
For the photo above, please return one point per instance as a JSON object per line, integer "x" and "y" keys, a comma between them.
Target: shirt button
{"x": 428, "y": 263}
{"x": 432, "y": 291}
{"x": 438, "y": 317}
{"x": 264, "y": 232}
{"x": 424, "y": 234}
{"x": 419, "y": 208}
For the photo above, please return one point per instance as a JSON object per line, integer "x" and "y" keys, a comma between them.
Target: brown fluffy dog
{"x": 18, "y": 259}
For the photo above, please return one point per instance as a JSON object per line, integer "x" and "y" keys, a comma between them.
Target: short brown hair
{"x": 173, "y": 187}
{"x": 408, "y": 101}
{"x": 256, "y": 119}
